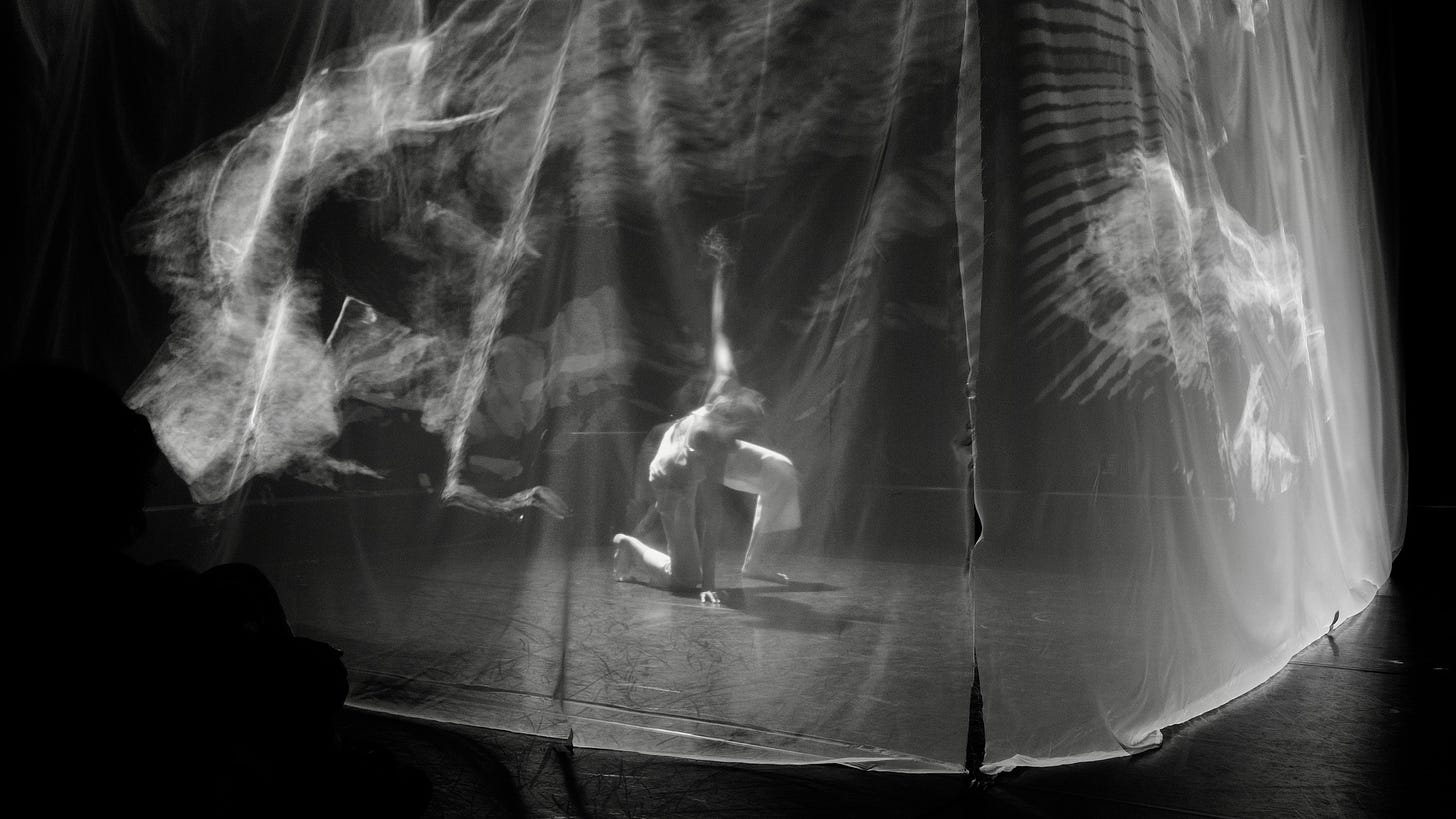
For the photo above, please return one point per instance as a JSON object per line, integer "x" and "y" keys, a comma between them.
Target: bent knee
{"x": 779, "y": 473}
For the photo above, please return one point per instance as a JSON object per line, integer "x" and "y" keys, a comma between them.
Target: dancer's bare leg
{"x": 772, "y": 477}
{"x": 634, "y": 555}
{"x": 761, "y": 562}
{"x": 679, "y": 510}
{"x": 679, "y": 520}
{"x": 659, "y": 568}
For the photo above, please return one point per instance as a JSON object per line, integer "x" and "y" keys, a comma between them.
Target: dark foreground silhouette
{"x": 155, "y": 690}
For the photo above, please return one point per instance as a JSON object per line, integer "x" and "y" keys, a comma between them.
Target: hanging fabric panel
{"x": 1188, "y": 456}
{"x": 434, "y": 309}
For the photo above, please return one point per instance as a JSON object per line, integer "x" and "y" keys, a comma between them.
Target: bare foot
{"x": 622, "y": 558}
{"x": 755, "y": 573}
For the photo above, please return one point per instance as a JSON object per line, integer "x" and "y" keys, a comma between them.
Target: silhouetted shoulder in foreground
{"x": 152, "y": 689}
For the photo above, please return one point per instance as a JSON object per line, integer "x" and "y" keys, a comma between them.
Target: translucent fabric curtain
{"x": 408, "y": 291}
{"x": 430, "y": 305}
{"x": 1189, "y": 463}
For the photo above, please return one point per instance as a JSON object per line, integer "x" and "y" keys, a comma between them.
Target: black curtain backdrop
{"x": 1405, "y": 79}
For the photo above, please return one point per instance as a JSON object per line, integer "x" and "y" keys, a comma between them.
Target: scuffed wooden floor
{"x": 1357, "y": 725}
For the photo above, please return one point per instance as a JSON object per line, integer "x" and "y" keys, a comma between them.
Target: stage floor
{"x": 1357, "y": 725}
{"x": 857, "y": 661}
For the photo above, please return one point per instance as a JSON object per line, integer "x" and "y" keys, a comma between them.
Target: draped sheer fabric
{"x": 1190, "y": 315}
{"x": 432, "y": 293}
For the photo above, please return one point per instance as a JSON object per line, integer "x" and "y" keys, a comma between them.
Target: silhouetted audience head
{"x": 210, "y": 705}
{"x": 83, "y": 458}
{"x": 236, "y": 603}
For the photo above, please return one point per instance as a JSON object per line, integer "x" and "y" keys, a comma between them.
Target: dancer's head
{"x": 730, "y": 415}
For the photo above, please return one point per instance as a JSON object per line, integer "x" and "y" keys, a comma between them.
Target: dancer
{"x": 706, "y": 445}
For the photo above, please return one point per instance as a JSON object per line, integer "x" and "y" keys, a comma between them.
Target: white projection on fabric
{"x": 227, "y": 227}
{"x": 1188, "y": 461}
{"x": 430, "y": 307}
{"x": 1158, "y": 282}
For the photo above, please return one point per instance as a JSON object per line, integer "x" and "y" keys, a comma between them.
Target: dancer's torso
{"x": 679, "y": 466}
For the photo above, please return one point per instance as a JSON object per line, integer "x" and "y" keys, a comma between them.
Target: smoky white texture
{"x": 445, "y": 127}
{"x": 1187, "y": 423}
{"x": 246, "y": 385}
{"x": 1162, "y": 281}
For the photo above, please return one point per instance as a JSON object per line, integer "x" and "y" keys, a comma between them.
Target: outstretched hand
{"x": 546, "y": 499}
{"x": 541, "y": 497}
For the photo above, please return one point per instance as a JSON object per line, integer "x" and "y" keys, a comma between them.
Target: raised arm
{"x": 721, "y": 356}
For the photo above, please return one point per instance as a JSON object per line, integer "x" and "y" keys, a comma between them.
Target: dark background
{"x": 1413, "y": 176}
{"x": 1413, "y": 179}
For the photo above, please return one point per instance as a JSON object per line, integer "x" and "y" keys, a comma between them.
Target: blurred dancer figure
{"x": 703, "y": 446}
